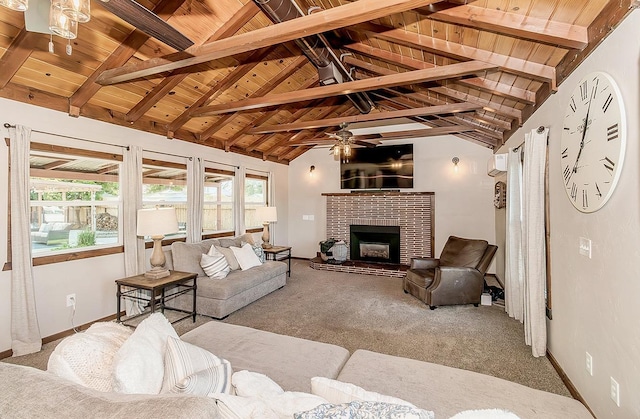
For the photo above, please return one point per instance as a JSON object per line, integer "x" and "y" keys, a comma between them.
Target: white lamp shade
{"x": 266, "y": 214}
{"x": 157, "y": 222}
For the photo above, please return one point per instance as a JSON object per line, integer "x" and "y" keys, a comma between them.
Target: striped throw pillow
{"x": 214, "y": 264}
{"x": 191, "y": 369}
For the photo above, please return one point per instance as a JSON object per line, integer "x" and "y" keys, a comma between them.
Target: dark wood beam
{"x": 315, "y": 23}
{"x": 399, "y": 79}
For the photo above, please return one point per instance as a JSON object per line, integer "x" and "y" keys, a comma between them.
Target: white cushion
{"x": 191, "y": 369}
{"x": 236, "y": 407}
{"x": 367, "y": 409}
{"x": 214, "y": 264}
{"x": 253, "y": 384}
{"x": 139, "y": 363}
{"x": 87, "y": 358}
{"x": 485, "y": 414}
{"x": 247, "y": 258}
{"x": 338, "y": 392}
{"x": 228, "y": 254}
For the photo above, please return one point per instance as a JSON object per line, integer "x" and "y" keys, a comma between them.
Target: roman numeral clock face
{"x": 593, "y": 142}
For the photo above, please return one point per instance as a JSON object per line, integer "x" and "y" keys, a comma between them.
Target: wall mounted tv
{"x": 382, "y": 167}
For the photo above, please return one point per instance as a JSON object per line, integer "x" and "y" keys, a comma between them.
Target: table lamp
{"x": 266, "y": 215}
{"x": 155, "y": 223}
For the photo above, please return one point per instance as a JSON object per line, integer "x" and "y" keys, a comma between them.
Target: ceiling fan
{"x": 37, "y": 20}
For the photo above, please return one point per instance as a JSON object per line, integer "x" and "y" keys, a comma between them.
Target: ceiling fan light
{"x": 336, "y": 150}
{"x": 347, "y": 150}
{"x": 60, "y": 24}
{"x": 17, "y": 5}
{"x": 78, "y": 10}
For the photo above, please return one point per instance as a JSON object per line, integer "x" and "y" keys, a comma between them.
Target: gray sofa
{"x": 291, "y": 362}
{"x": 218, "y": 298}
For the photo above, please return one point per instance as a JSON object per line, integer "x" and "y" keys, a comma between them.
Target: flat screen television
{"x": 382, "y": 167}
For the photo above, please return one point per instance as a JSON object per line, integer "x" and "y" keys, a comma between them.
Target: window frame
{"x": 234, "y": 202}
{"x": 265, "y": 178}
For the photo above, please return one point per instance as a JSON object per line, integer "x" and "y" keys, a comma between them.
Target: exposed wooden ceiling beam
{"x": 239, "y": 19}
{"x": 17, "y": 53}
{"x": 122, "y": 54}
{"x": 377, "y": 116}
{"x": 494, "y": 87}
{"x": 399, "y": 79}
{"x": 324, "y": 21}
{"x": 55, "y": 164}
{"x": 519, "y": 25}
{"x": 460, "y": 52}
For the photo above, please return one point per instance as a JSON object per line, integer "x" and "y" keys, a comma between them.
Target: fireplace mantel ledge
{"x": 383, "y": 193}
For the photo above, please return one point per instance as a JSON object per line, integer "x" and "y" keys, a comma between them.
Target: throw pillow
{"x": 339, "y": 392}
{"x": 191, "y": 369}
{"x": 236, "y": 407}
{"x": 228, "y": 254}
{"x": 485, "y": 414}
{"x": 87, "y": 358}
{"x": 358, "y": 409}
{"x": 139, "y": 363}
{"x": 246, "y": 257}
{"x": 254, "y": 384}
{"x": 259, "y": 251}
{"x": 215, "y": 265}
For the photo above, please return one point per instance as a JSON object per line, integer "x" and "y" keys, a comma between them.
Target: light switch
{"x": 311, "y": 217}
{"x": 585, "y": 247}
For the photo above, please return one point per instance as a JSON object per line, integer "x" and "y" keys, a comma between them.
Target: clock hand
{"x": 584, "y": 134}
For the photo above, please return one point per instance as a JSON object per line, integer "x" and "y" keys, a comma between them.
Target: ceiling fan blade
{"x": 148, "y": 22}
{"x": 368, "y": 144}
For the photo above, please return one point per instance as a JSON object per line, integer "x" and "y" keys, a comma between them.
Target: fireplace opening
{"x": 375, "y": 243}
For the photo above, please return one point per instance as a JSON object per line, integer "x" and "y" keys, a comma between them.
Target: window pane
{"x": 217, "y": 213}
{"x": 166, "y": 187}
{"x": 75, "y": 203}
{"x": 255, "y": 195}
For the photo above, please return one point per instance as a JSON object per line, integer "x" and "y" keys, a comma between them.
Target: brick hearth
{"x": 412, "y": 211}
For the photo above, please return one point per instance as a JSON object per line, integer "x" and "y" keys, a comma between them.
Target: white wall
{"x": 595, "y": 301}
{"x": 92, "y": 280}
{"x": 463, "y": 200}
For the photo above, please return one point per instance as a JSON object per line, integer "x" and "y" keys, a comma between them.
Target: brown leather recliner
{"x": 457, "y": 277}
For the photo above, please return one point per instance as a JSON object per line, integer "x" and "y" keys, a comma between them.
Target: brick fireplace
{"x": 412, "y": 212}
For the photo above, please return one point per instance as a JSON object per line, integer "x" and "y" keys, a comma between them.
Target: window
{"x": 217, "y": 214}
{"x": 74, "y": 199}
{"x": 164, "y": 184}
{"x": 255, "y": 195}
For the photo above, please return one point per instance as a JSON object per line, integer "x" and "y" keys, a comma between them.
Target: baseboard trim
{"x": 63, "y": 334}
{"x": 567, "y": 382}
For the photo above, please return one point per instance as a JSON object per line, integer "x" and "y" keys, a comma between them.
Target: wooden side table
{"x": 273, "y": 253}
{"x": 157, "y": 288}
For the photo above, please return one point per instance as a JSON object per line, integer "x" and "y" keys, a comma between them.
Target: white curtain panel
{"x": 25, "y": 332}
{"x": 514, "y": 266}
{"x": 195, "y": 199}
{"x": 238, "y": 209}
{"x": 271, "y": 200}
{"x": 134, "y": 255}
{"x": 535, "y": 323}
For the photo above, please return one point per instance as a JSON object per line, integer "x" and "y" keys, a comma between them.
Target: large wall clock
{"x": 593, "y": 142}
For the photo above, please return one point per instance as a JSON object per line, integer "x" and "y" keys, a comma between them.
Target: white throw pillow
{"x": 214, "y": 264}
{"x": 87, "y": 358}
{"x": 254, "y": 384}
{"x": 338, "y": 392}
{"x": 228, "y": 254}
{"x": 139, "y": 364}
{"x": 246, "y": 257}
{"x": 236, "y": 407}
{"x": 485, "y": 414}
{"x": 191, "y": 369}
{"x": 367, "y": 409}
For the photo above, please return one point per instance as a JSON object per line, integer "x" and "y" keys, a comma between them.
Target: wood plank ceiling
{"x": 477, "y": 69}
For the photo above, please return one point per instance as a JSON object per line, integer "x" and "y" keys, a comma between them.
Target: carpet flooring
{"x": 372, "y": 312}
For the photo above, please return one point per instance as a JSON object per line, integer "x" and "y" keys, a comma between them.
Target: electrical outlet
{"x": 71, "y": 300}
{"x": 615, "y": 391}
{"x": 589, "y": 363}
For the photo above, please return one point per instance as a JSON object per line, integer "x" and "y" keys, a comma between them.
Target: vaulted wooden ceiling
{"x": 475, "y": 69}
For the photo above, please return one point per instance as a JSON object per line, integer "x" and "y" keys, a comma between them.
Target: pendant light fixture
{"x": 60, "y": 24}
{"x": 78, "y": 10}
{"x": 17, "y": 5}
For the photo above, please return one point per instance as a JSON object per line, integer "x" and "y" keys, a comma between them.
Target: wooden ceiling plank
{"x": 269, "y": 86}
{"x": 241, "y": 18}
{"x": 519, "y": 25}
{"x": 16, "y": 55}
{"x": 461, "y": 52}
{"x": 218, "y": 88}
{"x": 490, "y": 106}
{"x": 500, "y": 89}
{"x": 399, "y": 79}
{"x": 122, "y": 54}
{"x": 323, "y": 21}
{"x": 378, "y": 116}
